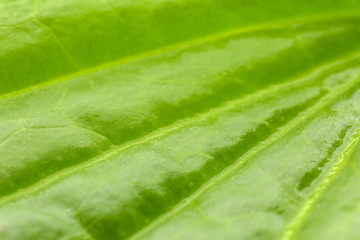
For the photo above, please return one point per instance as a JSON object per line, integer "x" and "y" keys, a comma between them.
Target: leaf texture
{"x": 179, "y": 119}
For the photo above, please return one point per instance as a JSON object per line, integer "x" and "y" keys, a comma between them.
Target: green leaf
{"x": 170, "y": 119}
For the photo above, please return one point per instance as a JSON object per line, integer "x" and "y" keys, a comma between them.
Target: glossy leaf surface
{"x": 179, "y": 119}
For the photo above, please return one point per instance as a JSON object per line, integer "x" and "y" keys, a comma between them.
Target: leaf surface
{"x": 179, "y": 120}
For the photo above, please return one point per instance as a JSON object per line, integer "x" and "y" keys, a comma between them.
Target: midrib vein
{"x": 321, "y": 189}
{"x": 183, "y": 45}
{"x": 243, "y": 159}
{"x": 115, "y": 149}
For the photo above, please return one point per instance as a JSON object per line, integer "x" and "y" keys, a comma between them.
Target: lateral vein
{"x": 321, "y": 189}
{"x": 115, "y": 149}
{"x": 243, "y": 160}
{"x": 177, "y": 46}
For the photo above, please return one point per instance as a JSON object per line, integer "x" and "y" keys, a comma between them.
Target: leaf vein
{"x": 244, "y": 159}
{"x": 170, "y": 48}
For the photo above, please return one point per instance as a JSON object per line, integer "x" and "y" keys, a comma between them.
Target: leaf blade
{"x": 73, "y": 146}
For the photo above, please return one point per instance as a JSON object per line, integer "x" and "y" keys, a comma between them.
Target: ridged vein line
{"x": 242, "y": 160}
{"x": 115, "y": 149}
{"x": 321, "y": 189}
{"x": 178, "y": 46}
